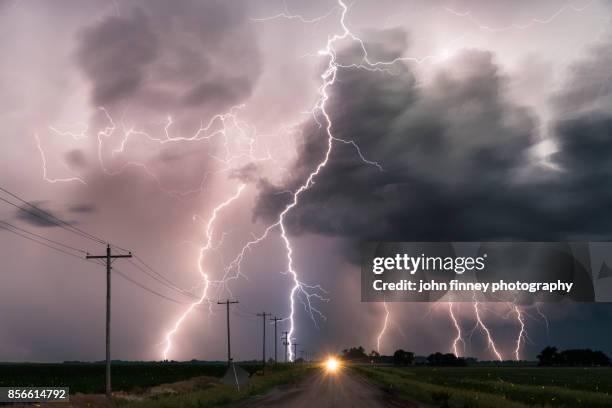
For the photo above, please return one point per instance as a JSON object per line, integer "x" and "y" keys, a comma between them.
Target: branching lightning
{"x": 459, "y": 338}
{"x": 209, "y": 234}
{"x": 533, "y": 22}
{"x": 44, "y": 167}
{"x": 522, "y": 333}
{"x": 384, "y": 327}
{"x": 485, "y": 329}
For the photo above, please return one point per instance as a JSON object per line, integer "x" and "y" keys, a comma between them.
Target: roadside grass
{"x": 220, "y": 395}
{"x": 478, "y": 388}
{"x": 88, "y": 378}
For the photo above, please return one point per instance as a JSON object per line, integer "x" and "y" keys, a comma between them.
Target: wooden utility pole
{"x": 275, "y": 319}
{"x": 227, "y": 303}
{"x": 109, "y": 259}
{"x": 286, "y": 344}
{"x": 295, "y": 350}
{"x": 263, "y": 316}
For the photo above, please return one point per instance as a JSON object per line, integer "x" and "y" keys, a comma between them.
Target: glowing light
{"x": 332, "y": 364}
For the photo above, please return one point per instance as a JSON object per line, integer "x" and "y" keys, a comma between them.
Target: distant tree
{"x": 446, "y": 360}
{"x": 573, "y": 358}
{"x": 354, "y": 353}
{"x": 374, "y": 353}
{"x": 403, "y": 358}
{"x": 470, "y": 360}
{"x": 548, "y": 356}
{"x": 583, "y": 357}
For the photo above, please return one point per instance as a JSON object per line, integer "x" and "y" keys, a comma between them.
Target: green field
{"x": 497, "y": 387}
{"x": 219, "y": 395}
{"x": 89, "y": 378}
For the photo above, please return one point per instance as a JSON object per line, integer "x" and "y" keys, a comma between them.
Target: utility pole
{"x": 264, "y": 315}
{"x": 109, "y": 259}
{"x": 275, "y": 319}
{"x": 285, "y": 343}
{"x": 295, "y": 350}
{"x": 227, "y": 303}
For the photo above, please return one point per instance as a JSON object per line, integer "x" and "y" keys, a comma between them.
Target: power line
{"x": 49, "y": 217}
{"x": 151, "y": 291}
{"x": 161, "y": 279}
{"x": 123, "y": 275}
{"x": 42, "y": 243}
{"x": 44, "y": 238}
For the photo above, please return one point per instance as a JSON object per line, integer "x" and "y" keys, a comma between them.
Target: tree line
{"x": 549, "y": 357}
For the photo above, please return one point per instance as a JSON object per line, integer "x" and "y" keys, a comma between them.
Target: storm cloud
{"x": 36, "y": 214}
{"x": 455, "y": 158}
{"x": 449, "y": 152}
{"x": 167, "y": 56}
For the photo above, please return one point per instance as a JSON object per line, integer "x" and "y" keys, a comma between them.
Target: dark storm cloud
{"x": 116, "y": 53}
{"x": 589, "y": 85}
{"x": 82, "y": 208}
{"x": 248, "y": 173}
{"x": 451, "y": 152}
{"x": 76, "y": 158}
{"x": 37, "y": 215}
{"x": 171, "y": 54}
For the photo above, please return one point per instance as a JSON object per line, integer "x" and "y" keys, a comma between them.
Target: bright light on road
{"x": 332, "y": 364}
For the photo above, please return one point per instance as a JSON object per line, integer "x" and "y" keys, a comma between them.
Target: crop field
{"x": 89, "y": 378}
{"x": 497, "y": 387}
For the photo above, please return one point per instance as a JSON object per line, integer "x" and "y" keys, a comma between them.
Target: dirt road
{"x": 342, "y": 389}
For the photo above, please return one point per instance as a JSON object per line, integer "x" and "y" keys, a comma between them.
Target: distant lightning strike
{"x": 522, "y": 332}
{"x": 485, "y": 329}
{"x": 459, "y": 338}
{"x": 203, "y": 251}
{"x": 384, "y": 327}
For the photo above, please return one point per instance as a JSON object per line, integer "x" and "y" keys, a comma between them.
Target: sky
{"x": 184, "y": 131}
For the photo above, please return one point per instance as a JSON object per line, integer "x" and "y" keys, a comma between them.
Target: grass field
{"x": 219, "y": 395}
{"x": 497, "y": 387}
{"x": 89, "y": 378}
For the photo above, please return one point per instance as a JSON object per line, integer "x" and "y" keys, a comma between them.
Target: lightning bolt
{"x": 458, "y": 339}
{"x": 544, "y": 318}
{"x": 44, "y": 167}
{"x": 534, "y": 21}
{"x": 203, "y": 251}
{"x": 522, "y": 333}
{"x": 384, "y": 327}
{"x": 237, "y": 148}
{"x": 485, "y": 329}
